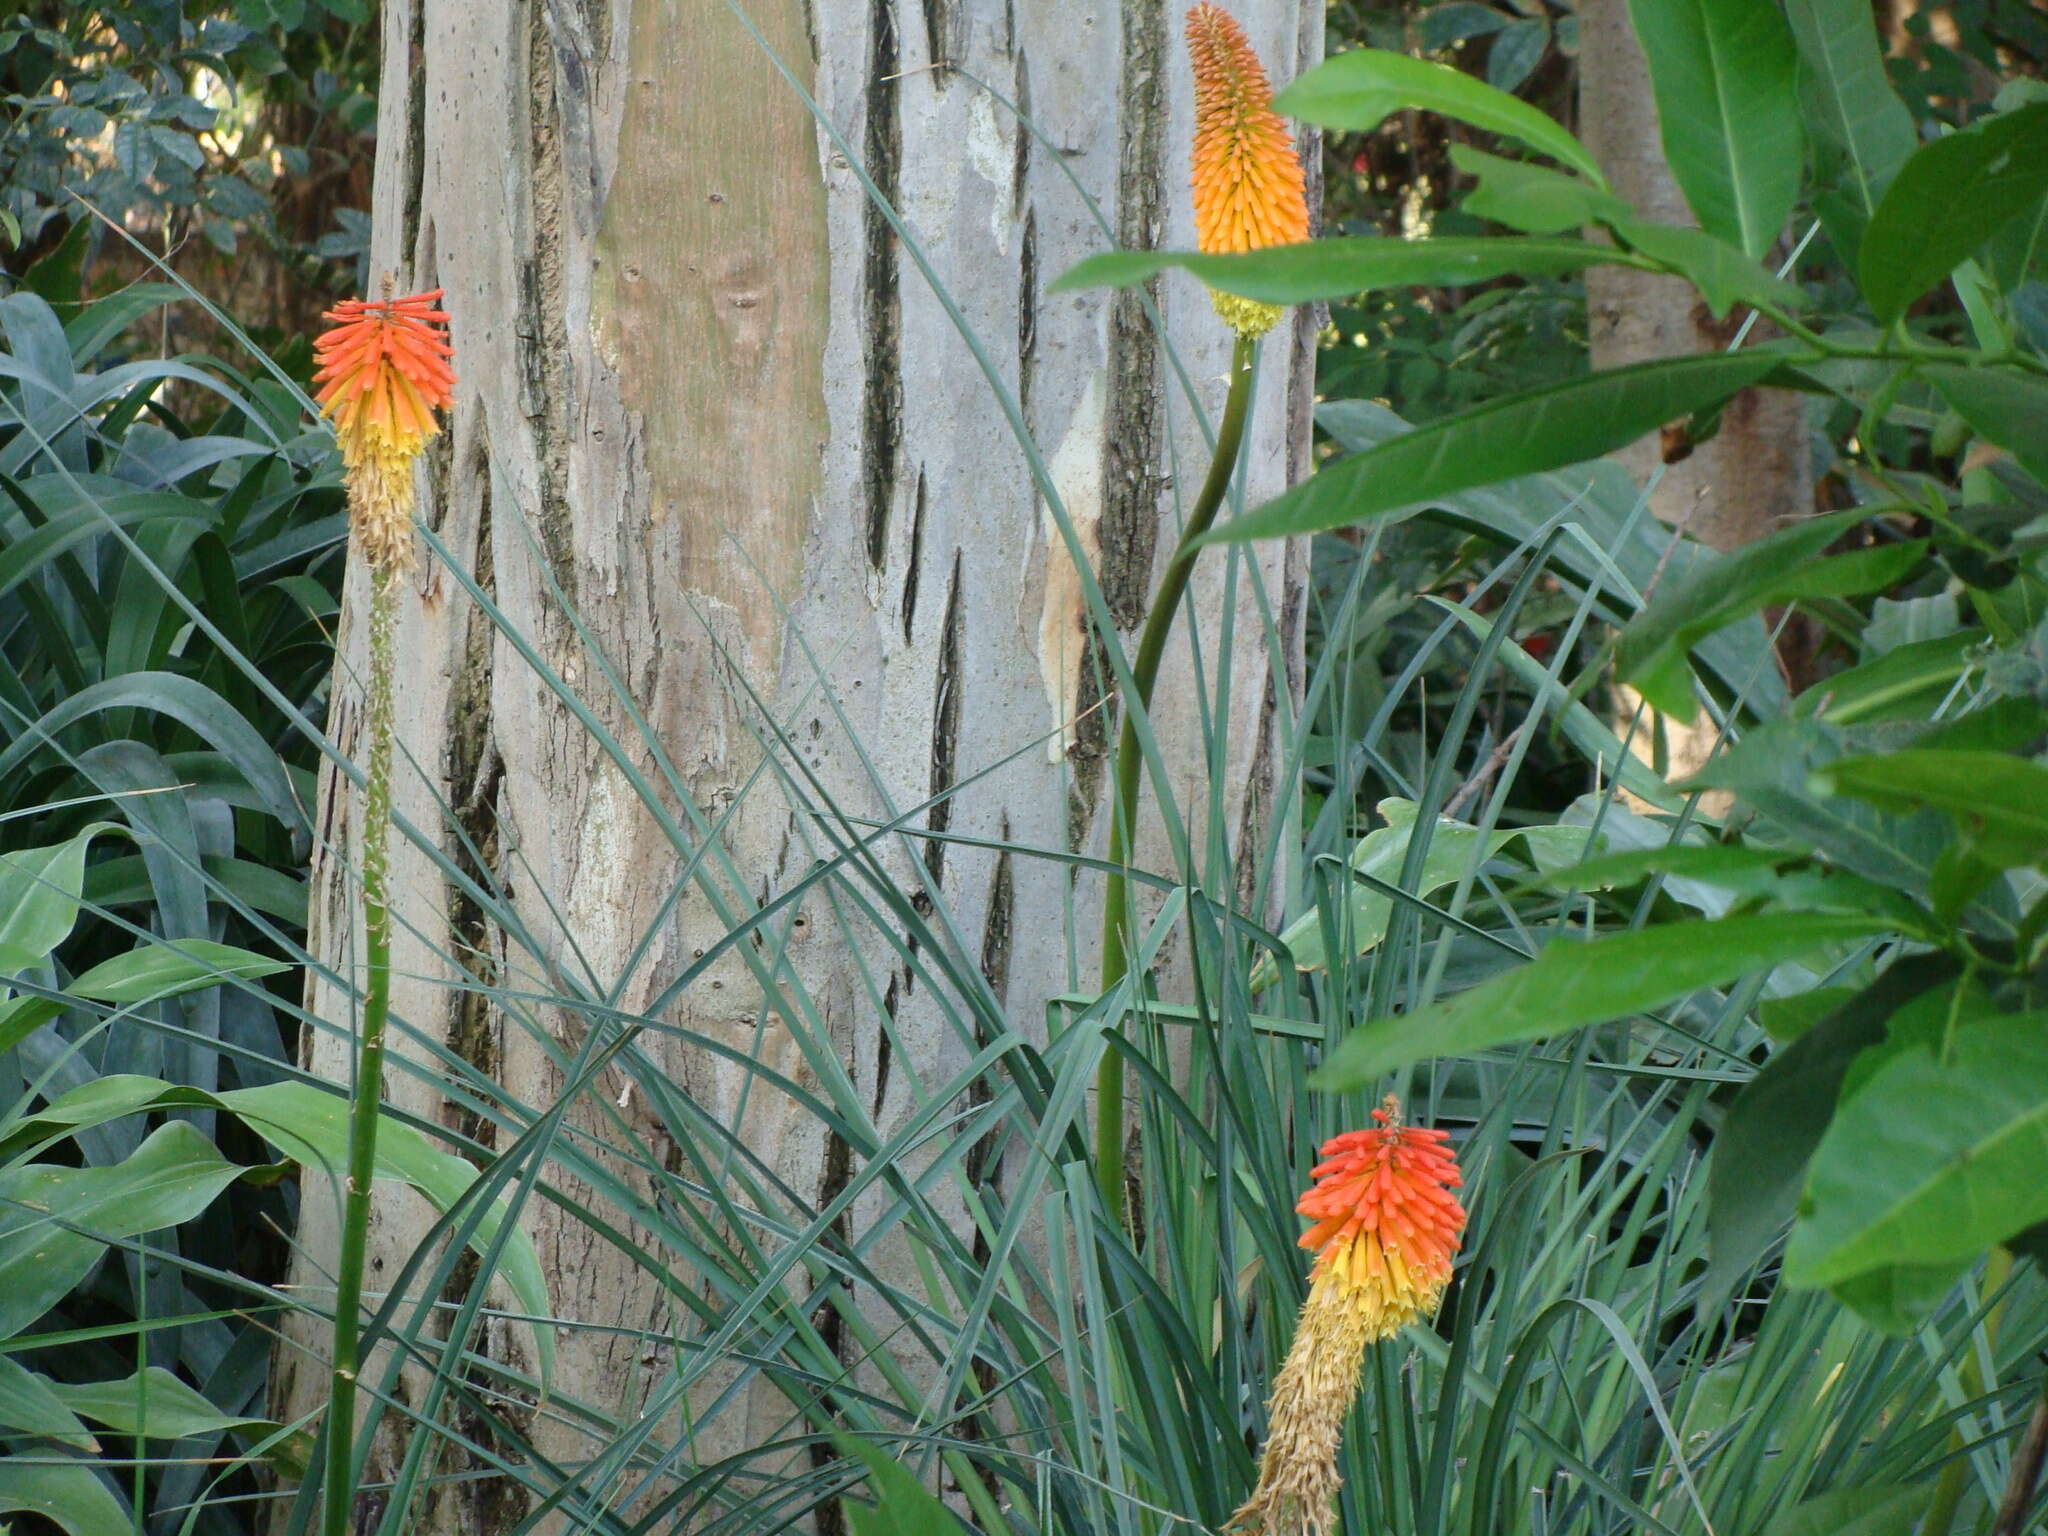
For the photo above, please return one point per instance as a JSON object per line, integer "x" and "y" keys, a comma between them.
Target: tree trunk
{"x": 708, "y": 399}
{"x": 1758, "y": 472}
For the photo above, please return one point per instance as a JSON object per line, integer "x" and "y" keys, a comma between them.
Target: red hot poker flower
{"x": 1386, "y": 1229}
{"x": 384, "y": 371}
{"x": 1246, "y": 181}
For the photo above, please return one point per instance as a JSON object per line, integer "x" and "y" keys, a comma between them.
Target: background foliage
{"x": 1657, "y": 999}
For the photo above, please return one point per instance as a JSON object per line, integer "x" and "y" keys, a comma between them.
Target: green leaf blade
{"x": 1725, "y": 77}
{"x": 1524, "y": 434}
{"x": 1573, "y": 983}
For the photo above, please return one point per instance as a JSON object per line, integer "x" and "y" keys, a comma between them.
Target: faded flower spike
{"x": 1386, "y": 1229}
{"x": 1247, "y": 180}
{"x": 383, "y": 373}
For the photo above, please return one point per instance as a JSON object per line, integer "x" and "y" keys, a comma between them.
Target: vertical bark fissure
{"x": 942, "y": 37}
{"x": 415, "y": 127}
{"x": 882, "y": 352}
{"x": 913, "y": 572}
{"x": 543, "y": 333}
{"x": 1027, "y": 306}
{"x": 946, "y": 704}
{"x": 1020, "y": 93}
{"x": 1133, "y": 426}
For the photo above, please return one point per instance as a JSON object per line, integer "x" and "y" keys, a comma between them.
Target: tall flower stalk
{"x": 1386, "y": 1230}
{"x": 1247, "y": 193}
{"x": 384, "y": 372}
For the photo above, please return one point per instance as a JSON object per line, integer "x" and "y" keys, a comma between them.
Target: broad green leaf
{"x": 1573, "y": 983}
{"x": 903, "y": 1506}
{"x": 21, "y": 1017}
{"x": 1521, "y": 435}
{"x": 2010, "y": 409}
{"x": 1454, "y": 847}
{"x": 1360, "y": 89}
{"x": 1785, "y": 1019}
{"x": 1999, "y": 800}
{"x": 28, "y": 1406}
{"x": 1759, "y": 1160}
{"x": 161, "y": 1408}
{"x": 1862, "y": 132}
{"x": 39, "y": 891}
{"x": 1730, "y": 866}
{"x": 1771, "y": 770}
{"x": 310, "y": 1127}
{"x": 173, "y": 1176}
{"x": 1533, "y": 198}
{"x": 1881, "y": 1509}
{"x": 1947, "y": 200}
{"x": 1896, "y": 1298}
{"x": 192, "y": 704}
{"x": 161, "y": 970}
{"x": 1904, "y": 683}
{"x": 1724, "y": 276}
{"x": 1724, "y": 73}
{"x": 72, "y": 1497}
{"x": 95, "y": 1103}
{"x": 1938, "y": 1157}
{"x": 1780, "y": 568}
{"x": 1345, "y": 265}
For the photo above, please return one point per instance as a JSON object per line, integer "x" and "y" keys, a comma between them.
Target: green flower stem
{"x": 338, "y": 1490}
{"x": 1130, "y": 765}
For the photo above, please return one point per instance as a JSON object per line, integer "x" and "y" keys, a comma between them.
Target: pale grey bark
{"x": 700, "y": 381}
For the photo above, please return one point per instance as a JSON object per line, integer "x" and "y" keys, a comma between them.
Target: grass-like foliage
{"x": 1633, "y": 1010}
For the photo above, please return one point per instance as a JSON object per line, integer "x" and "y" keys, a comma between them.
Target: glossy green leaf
{"x": 39, "y": 891}
{"x": 71, "y": 1497}
{"x": 164, "y": 970}
{"x": 1573, "y": 983}
{"x": 173, "y": 1176}
{"x": 1724, "y": 73}
{"x": 1772, "y": 770}
{"x": 1782, "y": 567}
{"x": 161, "y": 1407}
{"x": 1454, "y": 847}
{"x": 903, "y": 1506}
{"x": 28, "y": 1406}
{"x": 1533, "y": 198}
{"x": 1947, "y": 200}
{"x": 1759, "y": 1160}
{"x": 1937, "y": 1158}
{"x": 1344, "y": 265}
{"x": 192, "y": 704}
{"x": 1358, "y": 90}
{"x": 1861, "y": 131}
{"x": 1999, "y": 800}
{"x": 2007, "y": 408}
{"x": 310, "y": 1127}
{"x": 1903, "y": 683}
{"x": 1724, "y": 276}
{"x": 1523, "y": 434}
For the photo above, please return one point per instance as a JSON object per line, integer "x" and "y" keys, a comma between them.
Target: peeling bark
{"x": 708, "y": 399}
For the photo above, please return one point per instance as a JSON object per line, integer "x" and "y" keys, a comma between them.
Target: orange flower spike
{"x": 383, "y": 373}
{"x": 1247, "y": 182}
{"x": 1386, "y": 1232}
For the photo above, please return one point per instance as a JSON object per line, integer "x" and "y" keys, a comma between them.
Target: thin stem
{"x": 2025, "y": 1474}
{"x": 1130, "y": 762}
{"x": 338, "y": 1490}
